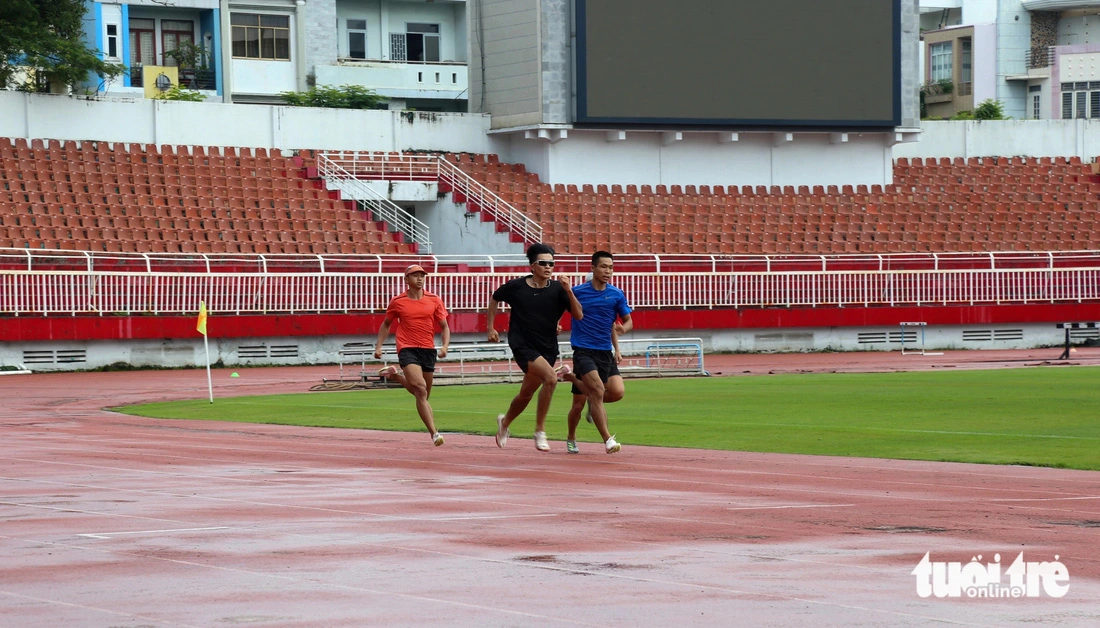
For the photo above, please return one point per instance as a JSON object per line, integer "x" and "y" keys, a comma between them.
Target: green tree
{"x": 343, "y": 97}
{"x": 45, "y": 38}
{"x": 181, "y": 93}
{"x": 989, "y": 109}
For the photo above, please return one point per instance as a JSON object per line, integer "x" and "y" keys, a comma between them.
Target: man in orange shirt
{"x": 417, "y": 311}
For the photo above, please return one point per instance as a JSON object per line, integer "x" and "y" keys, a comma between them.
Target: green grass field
{"x": 1038, "y": 416}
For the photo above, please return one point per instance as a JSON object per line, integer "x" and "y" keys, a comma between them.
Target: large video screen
{"x": 743, "y": 63}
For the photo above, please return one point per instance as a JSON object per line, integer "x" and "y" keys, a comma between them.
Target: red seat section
{"x": 934, "y": 205}
{"x": 97, "y": 196}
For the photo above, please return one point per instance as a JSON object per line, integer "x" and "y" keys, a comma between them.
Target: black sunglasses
{"x": 545, "y": 262}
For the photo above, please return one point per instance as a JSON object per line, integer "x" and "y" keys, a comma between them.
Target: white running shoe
{"x": 563, "y": 370}
{"x": 387, "y": 371}
{"x": 540, "y": 442}
{"x": 502, "y": 434}
{"x": 611, "y": 445}
{"x": 437, "y": 439}
{"x": 571, "y": 447}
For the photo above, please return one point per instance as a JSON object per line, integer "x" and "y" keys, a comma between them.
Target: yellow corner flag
{"x": 201, "y": 326}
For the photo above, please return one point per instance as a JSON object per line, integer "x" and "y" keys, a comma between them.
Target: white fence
{"x": 484, "y": 361}
{"x": 434, "y": 168}
{"x": 82, "y": 292}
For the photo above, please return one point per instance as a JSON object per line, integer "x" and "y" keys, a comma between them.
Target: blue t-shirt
{"x": 601, "y": 308}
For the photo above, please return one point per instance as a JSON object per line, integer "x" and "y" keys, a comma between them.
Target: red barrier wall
{"x": 70, "y": 328}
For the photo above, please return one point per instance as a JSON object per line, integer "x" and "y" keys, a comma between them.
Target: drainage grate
{"x": 878, "y": 337}
{"x": 61, "y": 356}
{"x": 986, "y": 335}
{"x": 263, "y": 352}
{"x": 284, "y": 351}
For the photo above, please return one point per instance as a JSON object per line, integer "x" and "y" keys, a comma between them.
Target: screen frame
{"x": 583, "y": 119}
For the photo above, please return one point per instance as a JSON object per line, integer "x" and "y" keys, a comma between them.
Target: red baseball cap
{"x": 415, "y": 268}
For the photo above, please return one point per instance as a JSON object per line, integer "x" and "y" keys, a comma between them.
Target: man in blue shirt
{"x": 595, "y": 376}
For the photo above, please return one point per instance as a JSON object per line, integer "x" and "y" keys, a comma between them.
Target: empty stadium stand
{"x": 95, "y": 196}
{"x": 975, "y": 205}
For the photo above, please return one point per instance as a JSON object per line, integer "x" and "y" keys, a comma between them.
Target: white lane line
{"x": 107, "y": 535}
{"x": 791, "y": 506}
{"x": 1043, "y": 499}
{"x": 477, "y": 517}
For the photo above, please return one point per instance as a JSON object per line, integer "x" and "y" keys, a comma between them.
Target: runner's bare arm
{"x": 493, "y": 335}
{"x": 383, "y": 332}
{"x": 445, "y": 333}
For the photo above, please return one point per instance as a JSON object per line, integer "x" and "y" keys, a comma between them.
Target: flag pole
{"x": 200, "y": 326}
{"x": 209, "y": 380}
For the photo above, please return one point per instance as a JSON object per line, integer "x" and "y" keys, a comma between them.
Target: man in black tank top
{"x": 537, "y": 303}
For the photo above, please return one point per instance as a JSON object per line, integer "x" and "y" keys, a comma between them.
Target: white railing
{"x": 483, "y": 199}
{"x": 37, "y": 259}
{"x": 158, "y": 293}
{"x": 430, "y": 167}
{"x": 382, "y": 207}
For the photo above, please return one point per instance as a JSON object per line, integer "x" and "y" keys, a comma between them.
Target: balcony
{"x": 190, "y": 79}
{"x": 1039, "y": 58}
{"x": 446, "y": 80}
{"x": 937, "y": 92}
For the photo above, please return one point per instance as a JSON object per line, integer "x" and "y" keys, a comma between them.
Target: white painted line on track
{"x": 1042, "y": 499}
{"x": 477, "y": 517}
{"x": 107, "y": 535}
{"x": 791, "y": 506}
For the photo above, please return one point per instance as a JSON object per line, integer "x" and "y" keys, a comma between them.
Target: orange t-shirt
{"x": 416, "y": 319}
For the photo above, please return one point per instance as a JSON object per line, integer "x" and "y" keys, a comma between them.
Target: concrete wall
{"x": 505, "y": 61}
{"x": 1005, "y": 138}
{"x": 640, "y": 158}
{"x": 1013, "y": 42}
{"x": 325, "y": 349}
{"x": 557, "y": 62}
{"x": 458, "y": 232}
{"x": 911, "y": 61}
{"x": 643, "y": 158}
{"x": 984, "y": 67}
{"x": 210, "y": 124}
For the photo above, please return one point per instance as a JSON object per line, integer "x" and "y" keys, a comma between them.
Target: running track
{"x": 109, "y": 520}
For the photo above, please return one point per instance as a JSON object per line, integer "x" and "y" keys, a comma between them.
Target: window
{"x": 357, "y": 39}
{"x": 172, "y": 34}
{"x": 941, "y": 61}
{"x": 421, "y": 42}
{"x": 1035, "y": 107}
{"x": 112, "y": 51}
{"x": 1081, "y": 100}
{"x": 965, "y": 61}
{"x": 261, "y": 36}
{"x": 142, "y": 35}
{"x": 143, "y": 50}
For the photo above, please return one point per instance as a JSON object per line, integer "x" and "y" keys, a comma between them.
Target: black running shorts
{"x": 588, "y": 360}
{"x": 425, "y": 358}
